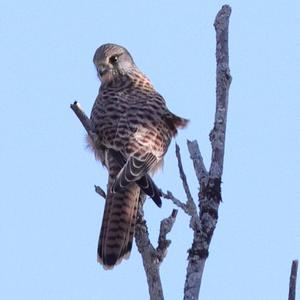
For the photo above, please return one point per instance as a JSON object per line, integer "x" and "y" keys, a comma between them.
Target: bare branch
{"x": 293, "y": 280}
{"x": 190, "y": 204}
{"x": 100, "y": 192}
{"x": 85, "y": 121}
{"x": 153, "y": 257}
{"x": 176, "y": 201}
{"x": 217, "y": 135}
{"x": 198, "y": 162}
{"x": 166, "y": 226}
{"x": 193, "y": 276}
{"x": 150, "y": 261}
{"x": 210, "y": 187}
{"x": 189, "y": 207}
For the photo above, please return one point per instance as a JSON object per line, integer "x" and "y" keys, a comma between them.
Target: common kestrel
{"x": 134, "y": 128}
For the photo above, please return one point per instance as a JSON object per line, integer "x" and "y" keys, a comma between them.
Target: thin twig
{"x": 100, "y": 192}
{"x": 182, "y": 174}
{"x": 190, "y": 204}
{"x": 85, "y": 121}
{"x": 194, "y": 221}
{"x": 293, "y": 280}
{"x": 169, "y": 195}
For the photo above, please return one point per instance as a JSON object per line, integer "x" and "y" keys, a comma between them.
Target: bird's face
{"x": 111, "y": 61}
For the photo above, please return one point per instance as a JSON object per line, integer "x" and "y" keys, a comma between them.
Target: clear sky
{"x": 49, "y": 214}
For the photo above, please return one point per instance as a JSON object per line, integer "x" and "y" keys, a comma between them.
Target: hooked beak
{"x": 103, "y": 69}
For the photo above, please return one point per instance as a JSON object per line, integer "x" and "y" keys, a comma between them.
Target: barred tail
{"x": 118, "y": 224}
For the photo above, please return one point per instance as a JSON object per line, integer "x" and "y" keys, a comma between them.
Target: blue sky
{"x": 49, "y": 214}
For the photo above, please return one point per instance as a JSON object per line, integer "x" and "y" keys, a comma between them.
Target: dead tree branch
{"x": 190, "y": 203}
{"x": 100, "y": 192}
{"x": 293, "y": 280}
{"x": 166, "y": 226}
{"x": 148, "y": 253}
{"x": 198, "y": 163}
{"x": 169, "y": 195}
{"x": 209, "y": 197}
{"x": 210, "y": 184}
{"x": 85, "y": 121}
{"x": 153, "y": 257}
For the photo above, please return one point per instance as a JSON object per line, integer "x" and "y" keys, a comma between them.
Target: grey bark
{"x": 293, "y": 280}
{"x": 148, "y": 253}
{"x": 209, "y": 197}
{"x": 152, "y": 257}
{"x": 210, "y": 184}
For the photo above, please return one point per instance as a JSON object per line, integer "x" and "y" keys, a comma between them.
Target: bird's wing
{"x": 134, "y": 169}
{"x": 146, "y": 183}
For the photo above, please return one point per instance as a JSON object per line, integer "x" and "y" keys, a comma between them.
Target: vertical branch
{"x": 223, "y": 78}
{"x": 152, "y": 257}
{"x": 210, "y": 186}
{"x": 148, "y": 253}
{"x": 293, "y": 280}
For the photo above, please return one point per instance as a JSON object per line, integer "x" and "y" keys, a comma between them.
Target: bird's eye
{"x": 113, "y": 59}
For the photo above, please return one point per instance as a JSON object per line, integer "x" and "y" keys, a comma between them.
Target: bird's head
{"x": 111, "y": 61}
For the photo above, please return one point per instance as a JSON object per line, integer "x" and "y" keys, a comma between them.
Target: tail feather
{"x": 118, "y": 224}
{"x": 115, "y": 241}
{"x": 129, "y": 238}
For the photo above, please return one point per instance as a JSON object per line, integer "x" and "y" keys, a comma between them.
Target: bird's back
{"x": 133, "y": 118}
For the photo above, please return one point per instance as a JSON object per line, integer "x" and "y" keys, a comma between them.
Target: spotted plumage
{"x": 134, "y": 129}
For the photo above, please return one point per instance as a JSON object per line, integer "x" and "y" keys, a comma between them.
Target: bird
{"x": 133, "y": 130}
